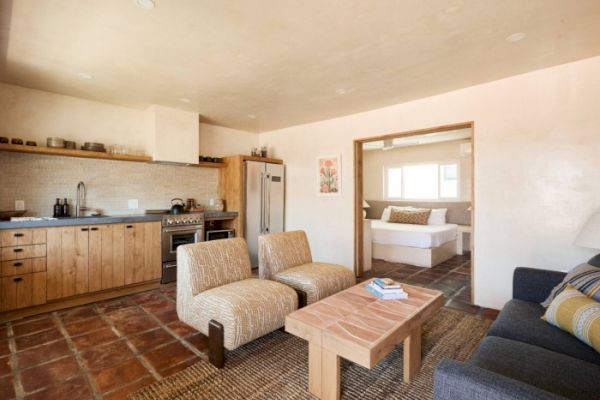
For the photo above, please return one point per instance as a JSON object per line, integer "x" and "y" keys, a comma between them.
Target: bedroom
{"x": 417, "y": 204}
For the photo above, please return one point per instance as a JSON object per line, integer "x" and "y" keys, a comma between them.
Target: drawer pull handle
{"x": 129, "y": 226}
{"x": 18, "y": 235}
{"x": 17, "y": 264}
{"x": 93, "y": 229}
{"x": 18, "y": 250}
{"x": 84, "y": 229}
{"x": 19, "y": 279}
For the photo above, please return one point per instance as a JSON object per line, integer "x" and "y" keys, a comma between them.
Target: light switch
{"x": 132, "y": 204}
{"x": 19, "y": 205}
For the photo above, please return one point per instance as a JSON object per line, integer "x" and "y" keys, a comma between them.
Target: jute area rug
{"x": 276, "y": 367}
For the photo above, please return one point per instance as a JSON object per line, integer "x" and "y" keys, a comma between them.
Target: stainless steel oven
{"x": 178, "y": 230}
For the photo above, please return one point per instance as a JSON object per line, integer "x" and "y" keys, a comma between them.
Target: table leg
{"x": 314, "y": 369}
{"x": 412, "y": 354}
{"x": 330, "y": 378}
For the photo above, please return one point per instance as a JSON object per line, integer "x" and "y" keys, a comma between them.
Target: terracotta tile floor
{"x": 103, "y": 350}
{"x": 453, "y": 277}
{"x": 108, "y": 349}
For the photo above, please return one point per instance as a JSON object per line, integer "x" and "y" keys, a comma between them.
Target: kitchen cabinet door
{"x": 113, "y": 256}
{"x": 134, "y": 253}
{"x": 22, "y": 291}
{"x": 142, "y": 252}
{"x": 67, "y": 261}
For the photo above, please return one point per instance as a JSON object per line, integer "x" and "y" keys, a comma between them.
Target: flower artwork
{"x": 329, "y": 175}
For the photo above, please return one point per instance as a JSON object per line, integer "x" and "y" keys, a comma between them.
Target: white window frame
{"x": 439, "y": 181}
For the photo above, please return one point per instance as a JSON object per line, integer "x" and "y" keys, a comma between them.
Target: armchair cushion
{"x": 280, "y": 251}
{"x": 530, "y": 284}
{"x": 212, "y": 264}
{"x": 247, "y": 309}
{"x": 317, "y": 280}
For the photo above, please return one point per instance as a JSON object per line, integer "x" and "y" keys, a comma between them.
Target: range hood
{"x": 174, "y": 135}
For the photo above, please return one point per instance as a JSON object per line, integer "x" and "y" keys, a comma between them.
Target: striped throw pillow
{"x": 585, "y": 277}
{"x": 574, "y": 312}
{"x": 417, "y": 217}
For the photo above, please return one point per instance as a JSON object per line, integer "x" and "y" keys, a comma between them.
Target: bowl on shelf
{"x": 69, "y": 144}
{"x": 89, "y": 146}
{"x": 55, "y": 142}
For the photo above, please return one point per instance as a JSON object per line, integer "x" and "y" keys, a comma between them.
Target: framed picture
{"x": 329, "y": 172}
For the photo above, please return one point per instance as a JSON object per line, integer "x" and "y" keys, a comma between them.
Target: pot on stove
{"x": 177, "y": 206}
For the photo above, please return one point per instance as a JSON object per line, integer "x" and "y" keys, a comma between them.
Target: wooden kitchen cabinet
{"x": 142, "y": 252}
{"x": 22, "y": 291}
{"x": 106, "y": 257}
{"x": 22, "y": 237}
{"x": 22, "y": 252}
{"x": 67, "y": 261}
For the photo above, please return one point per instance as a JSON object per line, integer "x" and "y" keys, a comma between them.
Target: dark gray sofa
{"x": 522, "y": 356}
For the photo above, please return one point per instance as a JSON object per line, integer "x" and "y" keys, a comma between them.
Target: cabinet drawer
{"x": 22, "y": 291}
{"x": 22, "y": 237}
{"x": 26, "y": 266}
{"x": 22, "y": 252}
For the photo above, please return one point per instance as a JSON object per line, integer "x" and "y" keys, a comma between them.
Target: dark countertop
{"x": 80, "y": 221}
{"x": 103, "y": 220}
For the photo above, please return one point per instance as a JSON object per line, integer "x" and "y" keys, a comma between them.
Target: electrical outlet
{"x": 132, "y": 204}
{"x": 20, "y": 205}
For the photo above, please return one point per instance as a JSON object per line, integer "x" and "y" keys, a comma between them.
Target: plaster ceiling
{"x": 265, "y": 64}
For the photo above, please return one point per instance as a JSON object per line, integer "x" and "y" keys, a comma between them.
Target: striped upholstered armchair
{"x": 217, "y": 296}
{"x": 285, "y": 257}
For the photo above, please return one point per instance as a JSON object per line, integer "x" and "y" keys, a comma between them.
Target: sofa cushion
{"x": 317, "y": 280}
{"x": 521, "y": 321}
{"x": 585, "y": 277}
{"x": 574, "y": 312}
{"x": 545, "y": 369}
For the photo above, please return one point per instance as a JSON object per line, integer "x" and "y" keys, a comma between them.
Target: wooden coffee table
{"x": 356, "y": 325}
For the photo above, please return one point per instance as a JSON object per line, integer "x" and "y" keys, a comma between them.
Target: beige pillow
{"x": 416, "y": 217}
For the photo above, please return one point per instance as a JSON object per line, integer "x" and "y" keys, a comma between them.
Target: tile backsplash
{"x": 39, "y": 180}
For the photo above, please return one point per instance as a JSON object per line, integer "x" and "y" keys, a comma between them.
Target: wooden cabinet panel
{"x": 21, "y": 252}
{"x": 134, "y": 253}
{"x": 22, "y": 237}
{"x": 116, "y": 278}
{"x": 22, "y": 291}
{"x": 142, "y": 252}
{"x": 152, "y": 251}
{"x": 67, "y": 261}
{"x": 106, "y": 256}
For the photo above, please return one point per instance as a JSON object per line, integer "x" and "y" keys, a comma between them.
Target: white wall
{"x": 537, "y": 170}
{"x": 218, "y": 141}
{"x": 374, "y": 162}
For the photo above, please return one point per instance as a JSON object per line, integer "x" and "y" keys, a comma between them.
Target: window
{"x": 431, "y": 181}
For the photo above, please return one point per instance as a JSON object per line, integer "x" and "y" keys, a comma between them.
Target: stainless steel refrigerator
{"x": 265, "y": 197}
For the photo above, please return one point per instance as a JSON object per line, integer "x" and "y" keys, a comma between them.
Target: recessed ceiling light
{"x": 184, "y": 100}
{"x": 251, "y": 116}
{"x": 85, "y": 75}
{"x": 145, "y": 4}
{"x": 515, "y": 37}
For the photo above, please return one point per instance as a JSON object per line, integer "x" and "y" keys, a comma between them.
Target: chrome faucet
{"x": 80, "y": 206}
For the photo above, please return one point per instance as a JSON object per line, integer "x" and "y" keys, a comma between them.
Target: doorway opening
{"x": 413, "y": 211}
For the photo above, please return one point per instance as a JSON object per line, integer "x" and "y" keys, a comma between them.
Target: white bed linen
{"x": 421, "y": 236}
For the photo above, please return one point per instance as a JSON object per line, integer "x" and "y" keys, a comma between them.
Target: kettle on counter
{"x": 177, "y": 206}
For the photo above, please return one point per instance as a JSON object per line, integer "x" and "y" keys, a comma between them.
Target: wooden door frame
{"x": 358, "y": 187}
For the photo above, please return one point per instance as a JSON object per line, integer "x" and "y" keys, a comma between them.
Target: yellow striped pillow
{"x": 574, "y": 312}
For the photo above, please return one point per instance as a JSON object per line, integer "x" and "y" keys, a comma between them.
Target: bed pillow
{"x": 385, "y": 216}
{"x": 574, "y": 312}
{"x": 585, "y": 278}
{"x": 437, "y": 216}
{"x": 415, "y": 217}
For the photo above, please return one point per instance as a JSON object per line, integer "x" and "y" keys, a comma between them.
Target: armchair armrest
{"x": 454, "y": 380}
{"x": 530, "y": 284}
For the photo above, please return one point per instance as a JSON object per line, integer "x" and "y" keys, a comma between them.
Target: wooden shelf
{"x": 18, "y": 148}
{"x": 206, "y": 164}
{"x": 262, "y": 159}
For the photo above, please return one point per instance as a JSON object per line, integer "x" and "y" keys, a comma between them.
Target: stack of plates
{"x": 88, "y": 146}
{"x": 55, "y": 142}
{"x": 70, "y": 145}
